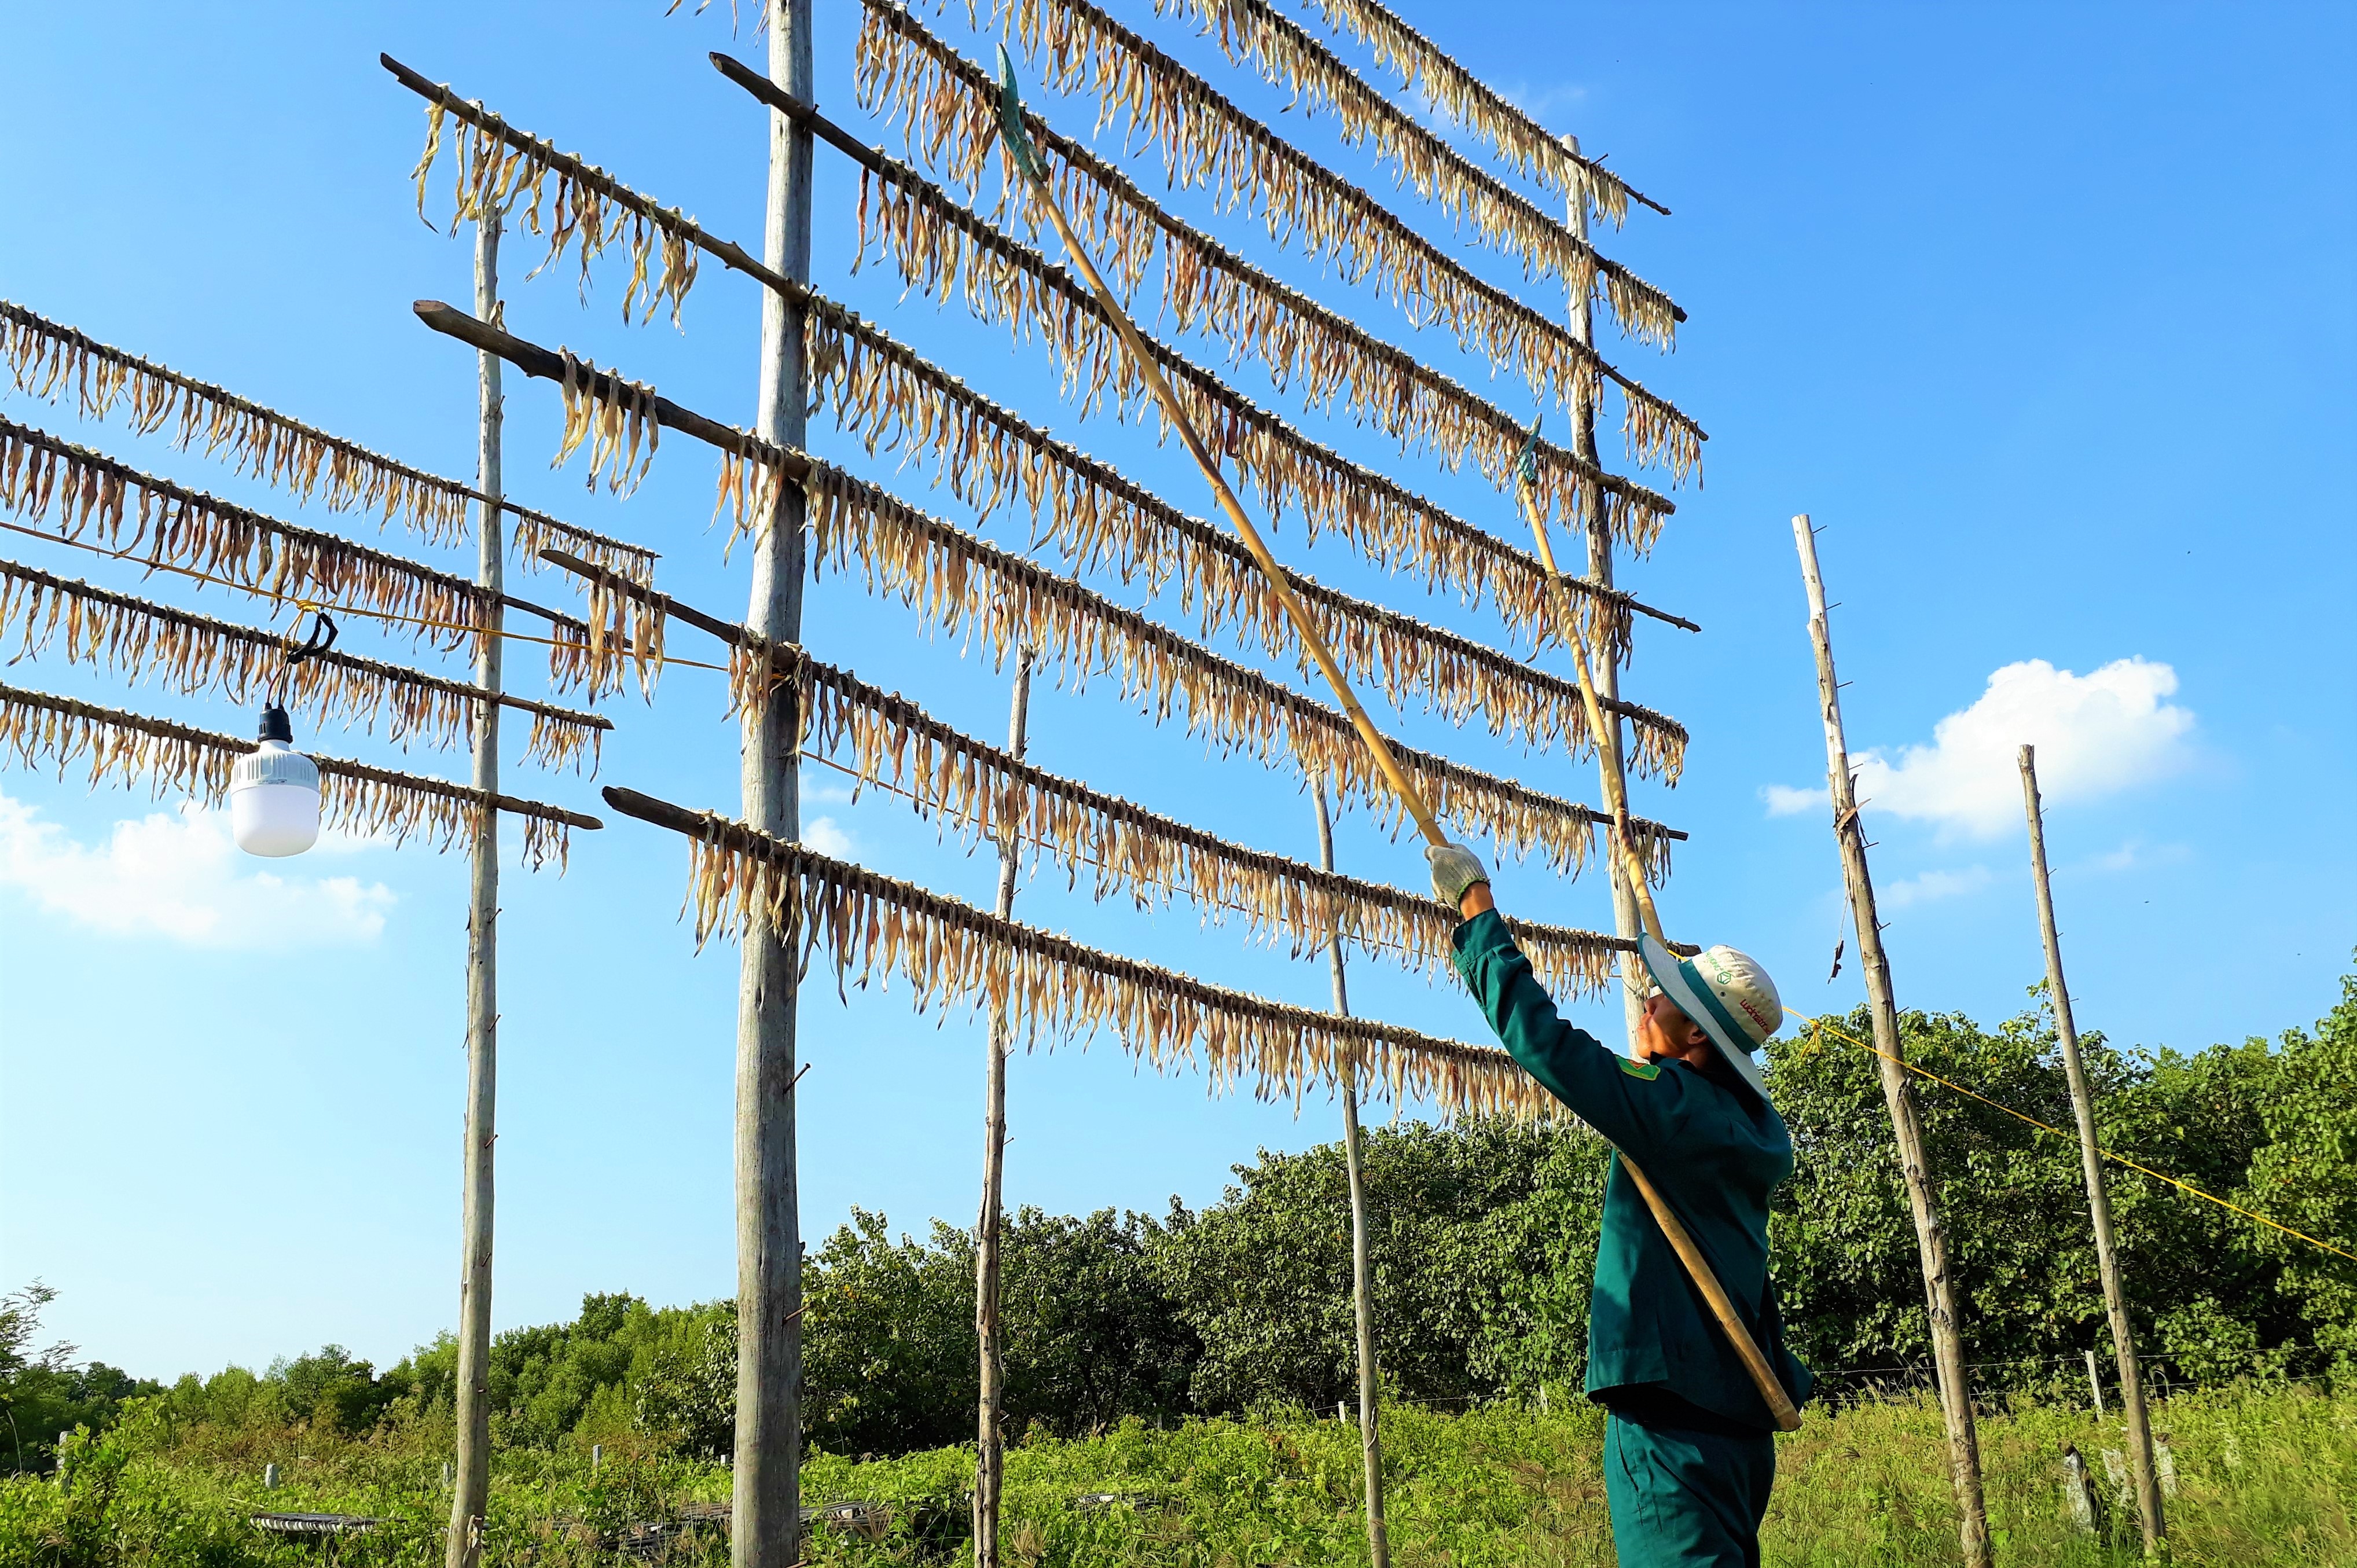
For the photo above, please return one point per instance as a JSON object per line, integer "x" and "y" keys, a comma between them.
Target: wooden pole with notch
{"x": 1898, "y": 1093}
{"x": 1362, "y": 1284}
{"x": 1626, "y": 921}
{"x": 470, "y": 1492}
{"x": 990, "y": 1434}
{"x": 1017, "y": 143}
{"x": 765, "y": 1526}
{"x": 2099, "y": 1198}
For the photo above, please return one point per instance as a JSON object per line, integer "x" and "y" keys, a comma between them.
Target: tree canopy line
{"x": 1483, "y": 1239}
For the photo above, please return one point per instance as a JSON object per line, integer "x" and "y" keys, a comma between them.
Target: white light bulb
{"x": 274, "y": 793}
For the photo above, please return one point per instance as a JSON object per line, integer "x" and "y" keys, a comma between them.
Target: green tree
{"x": 45, "y": 1391}
{"x": 1482, "y": 1241}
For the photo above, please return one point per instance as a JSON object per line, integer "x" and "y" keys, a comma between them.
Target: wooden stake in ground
{"x": 1898, "y": 1094}
{"x": 2099, "y": 1200}
{"x": 765, "y": 1520}
{"x": 1362, "y": 1288}
{"x": 471, "y": 1499}
{"x": 1018, "y": 146}
{"x": 1625, "y": 919}
{"x": 990, "y": 1436}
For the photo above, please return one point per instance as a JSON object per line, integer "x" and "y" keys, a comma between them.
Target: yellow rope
{"x": 1818, "y": 1026}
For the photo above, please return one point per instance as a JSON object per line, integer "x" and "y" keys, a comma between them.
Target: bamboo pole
{"x": 765, "y": 1506}
{"x": 1626, "y": 920}
{"x": 470, "y": 1499}
{"x": 1362, "y": 1289}
{"x": 1698, "y": 1266}
{"x": 1898, "y": 1093}
{"x": 2099, "y": 1198}
{"x": 1616, "y": 792}
{"x": 990, "y": 1436}
{"x": 1150, "y": 370}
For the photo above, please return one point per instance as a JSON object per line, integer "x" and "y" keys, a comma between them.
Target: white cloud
{"x": 826, "y": 836}
{"x": 179, "y": 877}
{"x": 2096, "y": 735}
{"x": 2136, "y": 855}
{"x": 1931, "y": 887}
{"x": 1784, "y": 800}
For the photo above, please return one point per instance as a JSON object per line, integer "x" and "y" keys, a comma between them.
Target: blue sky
{"x": 2043, "y": 313}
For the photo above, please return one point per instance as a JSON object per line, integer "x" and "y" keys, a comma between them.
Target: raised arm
{"x": 1637, "y": 1105}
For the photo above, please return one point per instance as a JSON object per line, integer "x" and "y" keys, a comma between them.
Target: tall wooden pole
{"x": 1363, "y": 1290}
{"x": 470, "y": 1494}
{"x": 2099, "y": 1200}
{"x": 990, "y": 1436}
{"x": 765, "y": 1528}
{"x": 1898, "y": 1094}
{"x": 1626, "y": 920}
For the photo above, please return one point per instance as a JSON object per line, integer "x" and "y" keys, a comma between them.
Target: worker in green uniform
{"x": 1689, "y": 1452}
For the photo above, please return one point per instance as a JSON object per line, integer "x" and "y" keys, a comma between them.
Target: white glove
{"x": 1455, "y": 868}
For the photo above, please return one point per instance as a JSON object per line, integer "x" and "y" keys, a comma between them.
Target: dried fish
{"x": 874, "y": 930}
{"x": 48, "y": 360}
{"x": 949, "y": 107}
{"x": 999, "y": 602}
{"x": 88, "y": 492}
{"x": 133, "y": 637}
{"x": 175, "y": 760}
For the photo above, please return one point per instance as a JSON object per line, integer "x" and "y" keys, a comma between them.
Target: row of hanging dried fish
{"x": 1254, "y": 33}
{"x": 874, "y": 930}
{"x": 949, "y": 106}
{"x": 1207, "y": 141}
{"x": 164, "y": 524}
{"x": 373, "y": 802}
{"x": 1524, "y": 143}
{"x": 50, "y": 360}
{"x": 941, "y": 247}
{"x": 1455, "y": 676}
{"x": 881, "y": 392}
{"x": 989, "y": 795}
{"x": 613, "y": 415}
{"x": 1392, "y": 525}
{"x": 497, "y": 176}
{"x": 1002, "y": 602}
{"x": 192, "y": 653}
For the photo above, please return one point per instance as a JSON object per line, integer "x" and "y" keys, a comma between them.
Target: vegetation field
{"x": 1172, "y": 1376}
{"x": 2265, "y": 1476}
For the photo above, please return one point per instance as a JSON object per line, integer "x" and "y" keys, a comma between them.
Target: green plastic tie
{"x": 1526, "y": 461}
{"x": 1011, "y": 119}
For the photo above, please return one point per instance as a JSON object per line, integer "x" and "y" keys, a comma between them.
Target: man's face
{"x": 1669, "y": 1032}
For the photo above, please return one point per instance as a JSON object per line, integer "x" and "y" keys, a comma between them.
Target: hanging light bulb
{"x": 274, "y": 791}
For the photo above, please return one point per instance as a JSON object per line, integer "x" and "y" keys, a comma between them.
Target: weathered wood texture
{"x": 1898, "y": 1093}
{"x": 2099, "y": 1198}
{"x": 1362, "y": 1287}
{"x": 767, "y": 1492}
{"x": 990, "y": 1445}
{"x": 471, "y": 1497}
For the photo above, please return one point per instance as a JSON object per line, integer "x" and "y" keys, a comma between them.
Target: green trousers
{"x": 1685, "y": 1499}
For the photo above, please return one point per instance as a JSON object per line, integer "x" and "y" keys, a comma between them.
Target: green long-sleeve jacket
{"x": 1713, "y": 1151}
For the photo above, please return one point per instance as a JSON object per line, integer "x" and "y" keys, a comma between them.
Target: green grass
{"x": 2265, "y": 1477}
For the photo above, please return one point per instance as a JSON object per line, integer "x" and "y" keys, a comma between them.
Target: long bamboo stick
{"x": 470, "y": 1493}
{"x": 2150, "y": 1509}
{"x": 1747, "y": 1348}
{"x": 1019, "y": 145}
{"x": 1945, "y": 1316}
{"x": 1018, "y": 148}
{"x": 990, "y": 1412}
{"x": 1362, "y": 1287}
